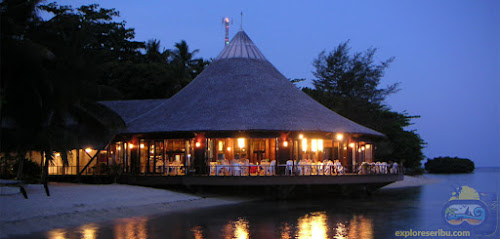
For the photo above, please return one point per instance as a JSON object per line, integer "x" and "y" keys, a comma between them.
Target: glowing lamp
{"x": 314, "y": 145}
{"x": 320, "y": 145}
{"x": 221, "y": 146}
{"x": 363, "y": 148}
{"x": 340, "y": 137}
{"x": 228, "y": 149}
{"x": 142, "y": 146}
{"x": 197, "y": 144}
{"x": 131, "y": 146}
{"x": 58, "y": 154}
{"x": 367, "y": 146}
{"x": 304, "y": 145}
{"x": 301, "y": 136}
{"x": 351, "y": 145}
{"x": 118, "y": 148}
{"x": 241, "y": 142}
{"x": 88, "y": 150}
{"x": 285, "y": 144}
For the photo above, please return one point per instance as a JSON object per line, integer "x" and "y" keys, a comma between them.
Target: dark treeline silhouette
{"x": 349, "y": 84}
{"x": 54, "y": 70}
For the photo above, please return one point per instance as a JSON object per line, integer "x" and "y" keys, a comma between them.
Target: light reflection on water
{"x": 313, "y": 225}
{"x": 376, "y": 217}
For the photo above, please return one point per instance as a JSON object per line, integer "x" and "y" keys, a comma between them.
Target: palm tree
{"x": 47, "y": 102}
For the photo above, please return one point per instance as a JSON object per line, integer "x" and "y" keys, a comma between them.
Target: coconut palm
{"x": 47, "y": 103}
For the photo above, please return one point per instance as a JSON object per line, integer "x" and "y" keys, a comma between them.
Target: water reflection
{"x": 89, "y": 231}
{"x": 56, "y": 234}
{"x": 233, "y": 229}
{"x": 132, "y": 228}
{"x": 313, "y": 225}
{"x": 361, "y": 227}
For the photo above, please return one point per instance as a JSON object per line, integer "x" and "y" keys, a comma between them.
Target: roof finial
{"x": 241, "y": 21}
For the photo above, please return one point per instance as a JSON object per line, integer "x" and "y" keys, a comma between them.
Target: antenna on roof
{"x": 226, "y": 22}
{"x": 241, "y": 21}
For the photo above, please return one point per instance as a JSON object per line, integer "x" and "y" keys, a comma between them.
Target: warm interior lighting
{"x": 363, "y": 148}
{"x": 301, "y": 136}
{"x": 359, "y": 150}
{"x": 304, "y": 145}
{"x": 314, "y": 145}
{"x": 221, "y": 147}
{"x": 228, "y": 149}
{"x": 368, "y": 146}
{"x": 340, "y": 137}
{"x": 88, "y": 150}
{"x": 117, "y": 148}
{"x": 320, "y": 145}
{"x": 131, "y": 146}
{"x": 142, "y": 146}
{"x": 58, "y": 154}
{"x": 241, "y": 143}
{"x": 197, "y": 144}
{"x": 285, "y": 144}
{"x": 351, "y": 145}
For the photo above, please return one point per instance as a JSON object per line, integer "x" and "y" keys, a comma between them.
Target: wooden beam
{"x": 90, "y": 161}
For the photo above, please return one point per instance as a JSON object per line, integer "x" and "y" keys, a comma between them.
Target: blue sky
{"x": 447, "y": 53}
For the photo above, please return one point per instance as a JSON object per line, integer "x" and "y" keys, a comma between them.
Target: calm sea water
{"x": 380, "y": 216}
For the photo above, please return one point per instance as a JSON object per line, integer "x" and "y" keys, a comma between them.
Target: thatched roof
{"x": 239, "y": 91}
{"x": 131, "y": 109}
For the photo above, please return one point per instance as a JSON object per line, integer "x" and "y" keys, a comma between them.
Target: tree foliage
{"x": 449, "y": 165}
{"x": 55, "y": 70}
{"x": 349, "y": 84}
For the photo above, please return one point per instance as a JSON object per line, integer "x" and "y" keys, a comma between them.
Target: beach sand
{"x": 77, "y": 204}
{"x": 412, "y": 181}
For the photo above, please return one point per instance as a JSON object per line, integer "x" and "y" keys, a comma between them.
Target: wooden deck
{"x": 260, "y": 180}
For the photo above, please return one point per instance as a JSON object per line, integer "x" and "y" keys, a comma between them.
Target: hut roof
{"x": 240, "y": 91}
{"x": 131, "y": 109}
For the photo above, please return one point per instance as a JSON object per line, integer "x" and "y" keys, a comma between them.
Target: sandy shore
{"x": 77, "y": 204}
{"x": 412, "y": 181}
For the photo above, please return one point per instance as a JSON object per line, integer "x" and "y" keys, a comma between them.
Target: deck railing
{"x": 237, "y": 170}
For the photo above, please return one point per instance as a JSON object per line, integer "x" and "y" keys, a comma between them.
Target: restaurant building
{"x": 240, "y": 116}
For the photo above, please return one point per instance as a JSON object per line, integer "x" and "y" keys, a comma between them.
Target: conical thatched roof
{"x": 242, "y": 91}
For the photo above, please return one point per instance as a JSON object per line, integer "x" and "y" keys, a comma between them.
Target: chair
{"x": 289, "y": 167}
{"x": 272, "y": 168}
{"x": 328, "y": 167}
{"x": 383, "y": 166}
{"x": 213, "y": 168}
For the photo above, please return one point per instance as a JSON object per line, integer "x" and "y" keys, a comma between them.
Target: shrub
{"x": 449, "y": 165}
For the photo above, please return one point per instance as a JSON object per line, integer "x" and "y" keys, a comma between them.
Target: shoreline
{"x": 412, "y": 181}
{"x": 72, "y": 205}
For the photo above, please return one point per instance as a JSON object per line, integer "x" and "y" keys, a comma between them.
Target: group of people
{"x": 378, "y": 168}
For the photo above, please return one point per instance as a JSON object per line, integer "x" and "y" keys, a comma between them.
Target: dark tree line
{"x": 55, "y": 69}
{"x": 349, "y": 84}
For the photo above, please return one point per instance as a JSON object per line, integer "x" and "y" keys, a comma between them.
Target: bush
{"x": 449, "y": 165}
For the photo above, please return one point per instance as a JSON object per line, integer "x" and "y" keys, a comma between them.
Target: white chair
{"x": 383, "y": 167}
{"x": 339, "y": 169}
{"x": 289, "y": 167}
{"x": 271, "y": 170}
{"x": 236, "y": 169}
{"x": 394, "y": 168}
{"x": 328, "y": 167}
